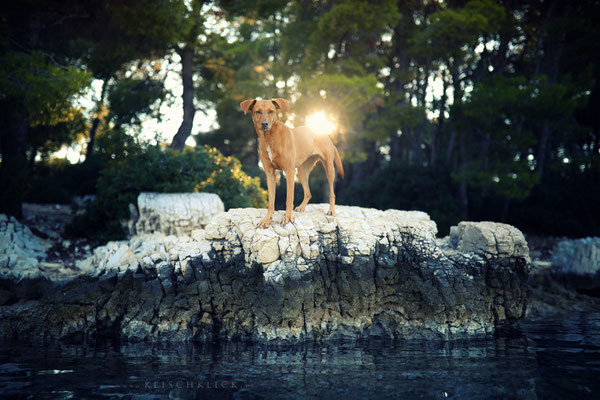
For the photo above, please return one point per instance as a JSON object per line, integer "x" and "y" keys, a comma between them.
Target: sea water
{"x": 550, "y": 359}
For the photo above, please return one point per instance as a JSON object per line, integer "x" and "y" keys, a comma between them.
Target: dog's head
{"x": 264, "y": 112}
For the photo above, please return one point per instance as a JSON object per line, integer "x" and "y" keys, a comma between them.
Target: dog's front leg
{"x": 289, "y": 200}
{"x": 266, "y": 221}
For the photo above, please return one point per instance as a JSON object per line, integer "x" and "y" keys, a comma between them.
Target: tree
{"x": 195, "y": 44}
{"x": 37, "y": 87}
{"x": 110, "y": 43}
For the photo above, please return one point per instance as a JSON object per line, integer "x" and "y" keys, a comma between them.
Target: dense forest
{"x": 478, "y": 110}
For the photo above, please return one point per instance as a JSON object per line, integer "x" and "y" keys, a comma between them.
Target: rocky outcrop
{"x": 501, "y": 242}
{"x": 30, "y": 264}
{"x": 20, "y": 250}
{"x": 364, "y": 273}
{"x": 576, "y": 262}
{"x": 578, "y": 257}
{"x": 174, "y": 213}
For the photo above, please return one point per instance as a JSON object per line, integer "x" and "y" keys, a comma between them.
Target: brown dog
{"x": 286, "y": 149}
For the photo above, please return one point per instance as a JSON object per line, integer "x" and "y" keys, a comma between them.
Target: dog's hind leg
{"x": 303, "y": 173}
{"x": 330, "y": 172}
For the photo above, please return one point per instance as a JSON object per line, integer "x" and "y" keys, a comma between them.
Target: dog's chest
{"x": 270, "y": 149}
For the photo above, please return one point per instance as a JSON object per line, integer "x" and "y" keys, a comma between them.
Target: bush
{"x": 56, "y": 181}
{"x": 152, "y": 169}
{"x": 407, "y": 188}
{"x": 565, "y": 204}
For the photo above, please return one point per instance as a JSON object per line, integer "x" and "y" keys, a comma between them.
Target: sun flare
{"x": 320, "y": 123}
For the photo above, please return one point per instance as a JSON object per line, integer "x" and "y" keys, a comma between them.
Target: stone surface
{"x": 578, "y": 257}
{"x": 493, "y": 239}
{"x": 20, "y": 250}
{"x": 576, "y": 263}
{"x": 48, "y": 219}
{"x": 33, "y": 259}
{"x": 174, "y": 213}
{"x": 364, "y": 273}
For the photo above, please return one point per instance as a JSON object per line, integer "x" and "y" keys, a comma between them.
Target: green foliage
{"x": 47, "y": 139}
{"x": 407, "y": 188}
{"x": 452, "y": 32}
{"x": 153, "y": 169}
{"x": 117, "y": 33}
{"x": 351, "y": 30}
{"x": 235, "y": 136}
{"x": 56, "y": 181}
{"x": 494, "y": 116}
{"x": 115, "y": 145}
{"x": 409, "y": 121}
{"x": 566, "y": 204}
{"x": 45, "y": 89}
{"x": 130, "y": 98}
{"x": 348, "y": 97}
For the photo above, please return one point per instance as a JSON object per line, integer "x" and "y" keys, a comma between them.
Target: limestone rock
{"x": 576, "y": 262}
{"x": 491, "y": 239}
{"x": 20, "y": 250}
{"x": 175, "y": 213}
{"x": 363, "y": 273}
{"x": 578, "y": 256}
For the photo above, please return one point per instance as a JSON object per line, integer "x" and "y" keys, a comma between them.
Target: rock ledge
{"x": 364, "y": 273}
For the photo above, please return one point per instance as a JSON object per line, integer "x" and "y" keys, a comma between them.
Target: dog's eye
{"x": 270, "y": 111}
{"x": 258, "y": 112}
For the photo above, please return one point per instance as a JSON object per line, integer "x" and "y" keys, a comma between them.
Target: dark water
{"x": 553, "y": 359}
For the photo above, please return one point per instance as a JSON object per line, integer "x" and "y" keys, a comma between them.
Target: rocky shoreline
{"x": 362, "y": 274}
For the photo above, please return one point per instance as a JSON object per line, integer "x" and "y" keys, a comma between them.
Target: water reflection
{"x": 550, "y": 359}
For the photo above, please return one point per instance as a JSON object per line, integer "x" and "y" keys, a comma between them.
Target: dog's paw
{"x": 300, "y": 208}
{"x": 331, "y": 212}
{"x": 264, "y": 223}
{"x": 289, "y": 217}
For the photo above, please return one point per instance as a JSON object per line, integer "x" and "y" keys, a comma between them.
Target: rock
{"x": 364, "y": 273}
{"x": 175, "y": 213}
{"x": 492, "y": 239}
{"x": 579, "y": 257}
{"x": 48, "y": 219}
{"x": 20, "y": 250}
{"x": 577, "y": 263}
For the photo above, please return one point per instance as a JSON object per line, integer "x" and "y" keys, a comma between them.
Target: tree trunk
{"x": 89, "y": 152}
{"x": 13, "y": 135}
{"x": 437, "y": 136}
{"x": 450, "y": 148}
{"x": 417, "y": 159}
{"x": 486, "y": 141}
{"x": 505, "y": 208}
{"x": 463, "y": 197}
{"x": 542, "y": 149}
{"x": 458, "y": 93}
{"x": 394, "y": 147}
{"x": 187, "y": 71}
{"x": 32, "y": 155}
{"x": 13, "y": 173}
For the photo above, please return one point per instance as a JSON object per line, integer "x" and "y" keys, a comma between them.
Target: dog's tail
{"x": 338, "y": 163}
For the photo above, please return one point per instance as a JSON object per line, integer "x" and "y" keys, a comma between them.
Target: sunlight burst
{"x": 320, "y": 123}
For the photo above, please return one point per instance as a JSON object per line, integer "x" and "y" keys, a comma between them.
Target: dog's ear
{"x": 281, "y": 104}
{"x": 247, "y": 105}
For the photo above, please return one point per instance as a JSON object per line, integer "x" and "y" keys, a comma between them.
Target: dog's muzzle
{"x": 264, "y": 125}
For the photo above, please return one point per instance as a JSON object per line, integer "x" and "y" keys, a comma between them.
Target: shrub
{"x": 56, "y": 181}
{"x": 152, "y": 169}
{"x": 407, "y": 188}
